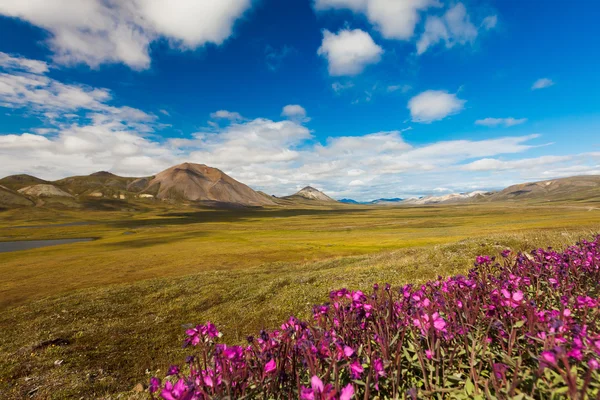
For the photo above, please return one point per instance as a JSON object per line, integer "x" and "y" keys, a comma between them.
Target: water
{"x": 6, "y": 247}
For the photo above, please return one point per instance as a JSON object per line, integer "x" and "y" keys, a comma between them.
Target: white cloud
{"x": 339, "y": 87}
{"x": 453, "y": 28}
{"x": 95, "y": 32}
{"x": 294, "y": 112}
{"x": 84, "y": 133}
{"x": 501, "y": 121}
{"x": 489, "y": 22}
{"x": 542, "y": 84}
{"x": 433, "y": 105}
{"x": 395, "y": 19}
{"x": 19, "y": 63}
{"x": 224, "y": 114}
{"x": 349, "y": 51}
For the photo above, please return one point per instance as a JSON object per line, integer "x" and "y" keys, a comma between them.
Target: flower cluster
{"x": 525, "y": 326}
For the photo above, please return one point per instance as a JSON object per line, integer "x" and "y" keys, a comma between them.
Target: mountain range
{"x": 190, "y": 183}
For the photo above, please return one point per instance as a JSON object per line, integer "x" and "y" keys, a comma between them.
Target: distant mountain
{"x": 394, "y": 200}
{"x": 198, "y": 182}
{"x": 382, "y": 201}
{"x": 448, "y": 198}
{"x": 310, "y": 193}
{"x": 573, "y": 188}
{"x": 349, "y": 201}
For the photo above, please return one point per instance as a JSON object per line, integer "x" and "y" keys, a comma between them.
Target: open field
{"x": 112, "y": 310}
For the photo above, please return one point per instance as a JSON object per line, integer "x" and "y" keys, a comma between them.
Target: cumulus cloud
{"x": 395, "y": 19}
{"x": 95, "y": 32}
{"x": 542, "y": 83}
{"x": 453, "y": 28}
{"x": 507, "y": 122}
{"x": 433, "y": 105}
{"x": 295, "y": 112}
{"x": 349, "y": 51}
{"x": 84, "y": 132}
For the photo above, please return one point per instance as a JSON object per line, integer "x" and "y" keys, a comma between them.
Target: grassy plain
{"x": 94, "y": 319}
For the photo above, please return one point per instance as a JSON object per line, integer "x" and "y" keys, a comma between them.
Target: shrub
{"x": 525, "y": 327}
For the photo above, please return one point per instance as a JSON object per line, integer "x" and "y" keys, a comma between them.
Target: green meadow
{"x": 96, "y": 319}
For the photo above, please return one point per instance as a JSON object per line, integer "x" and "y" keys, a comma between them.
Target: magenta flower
{"x": 347, "y": 392}
{"x": 348, "y": 351}
{"x": 174, "y": 392}
{"x": 173, "y": 370}
{"x": 429, "y": 354}
{"x": 547, "y": 358}
{"x": 270, "y": 366}
{"x": 356, "y": 370}
{"x": 154, "y": 384}
{"x": 593, "y": 363}
{"x": 317, "y": 384}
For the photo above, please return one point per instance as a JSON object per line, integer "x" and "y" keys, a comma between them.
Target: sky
{"x": 360, "y": 98}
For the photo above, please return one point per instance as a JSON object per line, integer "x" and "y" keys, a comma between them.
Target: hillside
{"x": 198, "y": 182}
{"x": 11, "y": 199}
{"x": 312, "y": 194}
{"x": 16, "y": 182}
{"x": 572, "y": 188}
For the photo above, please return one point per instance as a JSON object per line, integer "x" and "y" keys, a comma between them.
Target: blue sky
{"x": 361, "y": 98}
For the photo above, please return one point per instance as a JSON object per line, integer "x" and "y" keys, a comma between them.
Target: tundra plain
{"x": 97, "y": 319}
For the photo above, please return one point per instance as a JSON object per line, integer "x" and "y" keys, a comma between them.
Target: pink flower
{"x": 317, "y": 384}
{"x": 348, "y": 351}
{"x": 548, "y": 357}
{"x": 154, "y": 385}
{"x": 429, "y": 354}
{"x": 593, "y": 363}
{"x": 378, "y": 367}
{"x": 356, "y": 370}
{"x": 438, "y": 322}
{"x": 270, "y": 366}
{"x": 347, "y": 392}
{"x": 174, "y": 392}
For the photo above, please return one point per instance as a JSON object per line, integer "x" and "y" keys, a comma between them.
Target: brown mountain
{"x": 573, "y": 188}
{"x": 198, "y": 182}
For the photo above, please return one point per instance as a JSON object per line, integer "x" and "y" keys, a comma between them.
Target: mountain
{"x": 394, "y": 200}
{"x": 349, "y": 201}
{"x": 44, "y": 190}
{"x": 310, "y": 193}
{"x": 198, "y": 182}
{"x": 573, "y": 188}
{"x": 11, "y": 199}
{"x": 100, "y": 184}
{"x": 383, "y": 201}
{"x": 448, "y": 198}
{"x": 16, "y": 182}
